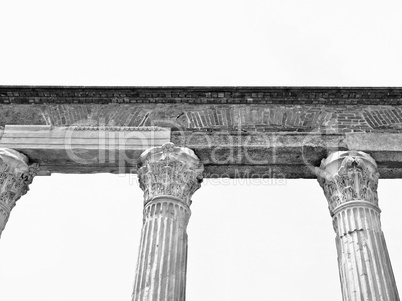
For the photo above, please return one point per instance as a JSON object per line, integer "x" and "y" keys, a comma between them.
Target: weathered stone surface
{"x": 251, "y": 117}
{"x": 236, "y": 131}
{"x": 162, "y": 259}
{"x": 82, "y": 149}
{"x": 21, "y": 114}
{"x": 169, "y": 176}
{"x": 234, "y": 154}
{"x": 170, "y": 171}
{"x": 303, "y": 109}
{"x": 350, "y": 180}
{"x": 15, "y": 177}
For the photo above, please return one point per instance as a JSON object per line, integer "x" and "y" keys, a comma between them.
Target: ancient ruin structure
{"x": 173, "y": 137}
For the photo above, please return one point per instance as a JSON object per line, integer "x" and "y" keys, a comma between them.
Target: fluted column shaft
{"x": 161, "y": 270}
{"x": 168, "y": 175}
{"x": 365, "y": 267}
{"x": 350, "y": 180}
{"x": 15, "y": 177}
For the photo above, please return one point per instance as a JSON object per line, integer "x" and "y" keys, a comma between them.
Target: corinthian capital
{"x": 348, "y": 176}
{"x": 170, "y": 171}
{"x": 15, "y": 177}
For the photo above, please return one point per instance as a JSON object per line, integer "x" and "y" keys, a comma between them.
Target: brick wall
{"x": 331, "y": 110}
{"x": 201, "y": 95}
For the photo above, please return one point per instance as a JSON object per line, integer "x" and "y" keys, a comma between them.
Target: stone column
{"x": 15, "y": 176}
{"x": 169, "y": 176}
{"x": 349, "y": 180}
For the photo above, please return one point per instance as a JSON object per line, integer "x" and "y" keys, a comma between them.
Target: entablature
{"x": 232, "y": 154}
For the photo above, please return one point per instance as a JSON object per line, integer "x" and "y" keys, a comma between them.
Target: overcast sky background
{"x": 76, "y": 237}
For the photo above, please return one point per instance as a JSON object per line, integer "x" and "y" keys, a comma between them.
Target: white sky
{"x": 77, "y": 237}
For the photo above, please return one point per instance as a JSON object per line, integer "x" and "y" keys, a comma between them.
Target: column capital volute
{"x": 348, "y": 176}
{"x": 169, "y": 170}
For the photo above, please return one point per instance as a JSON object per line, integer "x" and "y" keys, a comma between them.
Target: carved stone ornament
{"x": 116, "y": 128}
{"x": 349, "y": 176}
{"x": 170, "y": 171}
{"x": 15, "y": 177}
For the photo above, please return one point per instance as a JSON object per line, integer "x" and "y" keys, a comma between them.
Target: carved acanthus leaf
{"x": 15, "y": 178}
{"x": 355, "y": 180}
{"x": 170, "y": 170}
